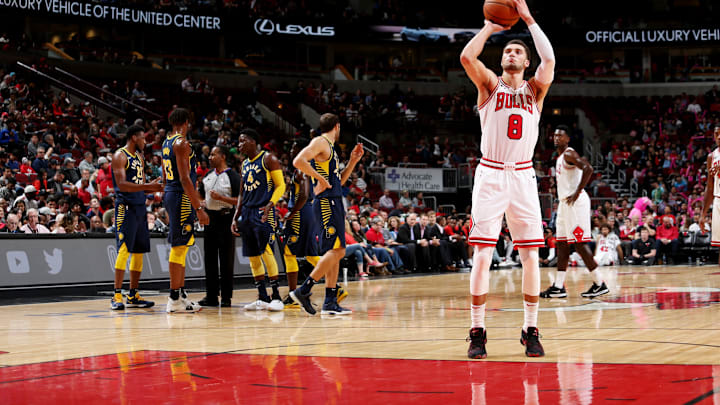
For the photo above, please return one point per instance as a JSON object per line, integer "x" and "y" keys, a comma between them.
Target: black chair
{"x": 702, "y": 245}
{"x": 687, "y": 242}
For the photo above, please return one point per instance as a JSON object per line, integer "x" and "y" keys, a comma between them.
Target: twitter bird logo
{"x": 54, "y": 261}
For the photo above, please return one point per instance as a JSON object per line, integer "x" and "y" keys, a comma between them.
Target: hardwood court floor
{"x": 655, "y": 338}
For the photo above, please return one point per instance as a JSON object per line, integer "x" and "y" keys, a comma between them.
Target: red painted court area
{"x": 152, "y": 377}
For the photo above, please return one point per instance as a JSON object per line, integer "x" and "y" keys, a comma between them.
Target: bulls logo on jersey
{"x": 578, "y": 233}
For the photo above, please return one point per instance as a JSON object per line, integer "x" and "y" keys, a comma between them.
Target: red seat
{"x": 21, "y": 178}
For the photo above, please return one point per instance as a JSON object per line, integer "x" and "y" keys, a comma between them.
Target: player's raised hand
{"x": 357, "y": 153}
{"x": 523, "y": 10}
{"x": 495, "y": 27}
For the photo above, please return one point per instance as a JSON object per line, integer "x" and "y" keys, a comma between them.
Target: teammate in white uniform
{"x": 608, "y": 250}
{"x": 509, "y": 109}
{"x": 573, "y": 216}
{"x": 712, "y": 191}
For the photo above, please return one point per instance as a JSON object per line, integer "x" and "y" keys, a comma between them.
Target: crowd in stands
{"x": 56, "y": 166}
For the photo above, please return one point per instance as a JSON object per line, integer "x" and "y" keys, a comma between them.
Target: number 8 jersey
{"x": 509, "y": 120}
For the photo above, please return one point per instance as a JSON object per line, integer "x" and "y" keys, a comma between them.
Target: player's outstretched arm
{"x": 119, "y": 162}
{"x": 483, "y": 78}
{"x": 355, "y": 156}
{"x": 545, "y": 72}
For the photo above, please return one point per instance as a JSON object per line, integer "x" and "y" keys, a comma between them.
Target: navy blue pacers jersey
{"x": 134, "y": 173}
{"x": 172, "y": 175}
{"x": 330, "y": 170}
{"x": 301, "y": 234}
{"x": 257, "y": 190}
{"x": 256, "y": 182}
{"x": 328, "y": 205}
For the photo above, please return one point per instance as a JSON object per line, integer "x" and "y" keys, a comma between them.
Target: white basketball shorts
{"x": 510, "y": 189}
{"x": 573, "y": 221}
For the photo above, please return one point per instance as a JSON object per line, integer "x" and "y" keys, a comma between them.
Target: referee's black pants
{"x": 219, "y": 246}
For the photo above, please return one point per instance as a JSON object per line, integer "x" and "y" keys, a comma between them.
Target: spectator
{"x": 457, "y": 240}
{"x": 40, "y": 162}
{"x": 418, "y": 201}
{"x": 96, "y": 225}
{"x": 28, "y": 197}
{"x": 386, "y": 201}
{"x": 405, "y": 200}
{"x": 71, "y": 173}
{"x": 412, "y": 233}
{"x": 33, "y": 225}
{"x": 643, "y": 249}
{"x": 667, "y": 241}
{"x": 26, "y": 167}
{"x": 13, "y": 224}
{"x": 87, "y": 163}
{"x": 439, "y": 245}
{"x": 375, "y": 236}
{"x": 85, "y": 182}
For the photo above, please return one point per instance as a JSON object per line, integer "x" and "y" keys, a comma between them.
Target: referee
{"x": 221, "y": 188}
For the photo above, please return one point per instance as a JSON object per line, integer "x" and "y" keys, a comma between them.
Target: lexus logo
{"x": 264, "y": 26}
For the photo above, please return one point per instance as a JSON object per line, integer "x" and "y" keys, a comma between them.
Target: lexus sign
{"x": 264, "y": 26}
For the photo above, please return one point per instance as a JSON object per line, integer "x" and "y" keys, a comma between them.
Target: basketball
{"x": 501, "y": 12}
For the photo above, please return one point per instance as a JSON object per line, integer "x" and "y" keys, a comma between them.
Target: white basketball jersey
{"x": 568, "y": 177}
{"x": 509, "y": 120}
{"x": 716, "y": 162}
{"x": 608, "y": 244}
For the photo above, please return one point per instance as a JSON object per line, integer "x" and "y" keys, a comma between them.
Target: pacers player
{"x": 319, "y": 161}
{"x": 182, "y": 202}
{"x": 573, "y": 216}
{"x": 263, "y": 184}
{"x": 509, "y": 109}
{"x": 301, "y": 234}
{"x": 132, "y": 234}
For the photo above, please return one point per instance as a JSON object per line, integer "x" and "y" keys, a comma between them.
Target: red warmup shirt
{"x": 375, "y": 237}
{"x": 666, "y": 233}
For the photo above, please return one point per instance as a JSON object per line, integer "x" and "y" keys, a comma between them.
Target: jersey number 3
{"x": 515, "y": 126}
{"x": 168, "y": 169}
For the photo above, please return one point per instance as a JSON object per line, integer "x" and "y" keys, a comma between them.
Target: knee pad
{"x": 178, "y": 254}
{"x": 256, "y": 266}
{"x": 269, "y": 258}
{"x": 312, "y": 260}
{"x": 122, "y": 258}
{"x": 136, "y": 262}
{"x": 291, "y": 265}
{"x": 480, "y": 274}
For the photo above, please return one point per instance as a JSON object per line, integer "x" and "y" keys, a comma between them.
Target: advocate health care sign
{"x": 426, "y": 180}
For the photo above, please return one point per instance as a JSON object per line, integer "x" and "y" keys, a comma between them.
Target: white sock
{"x": 531, "y": 314}
{"x": 477, "y": 315}
{"x": 559, "y": 279}
{"x": 595, "y": 274}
